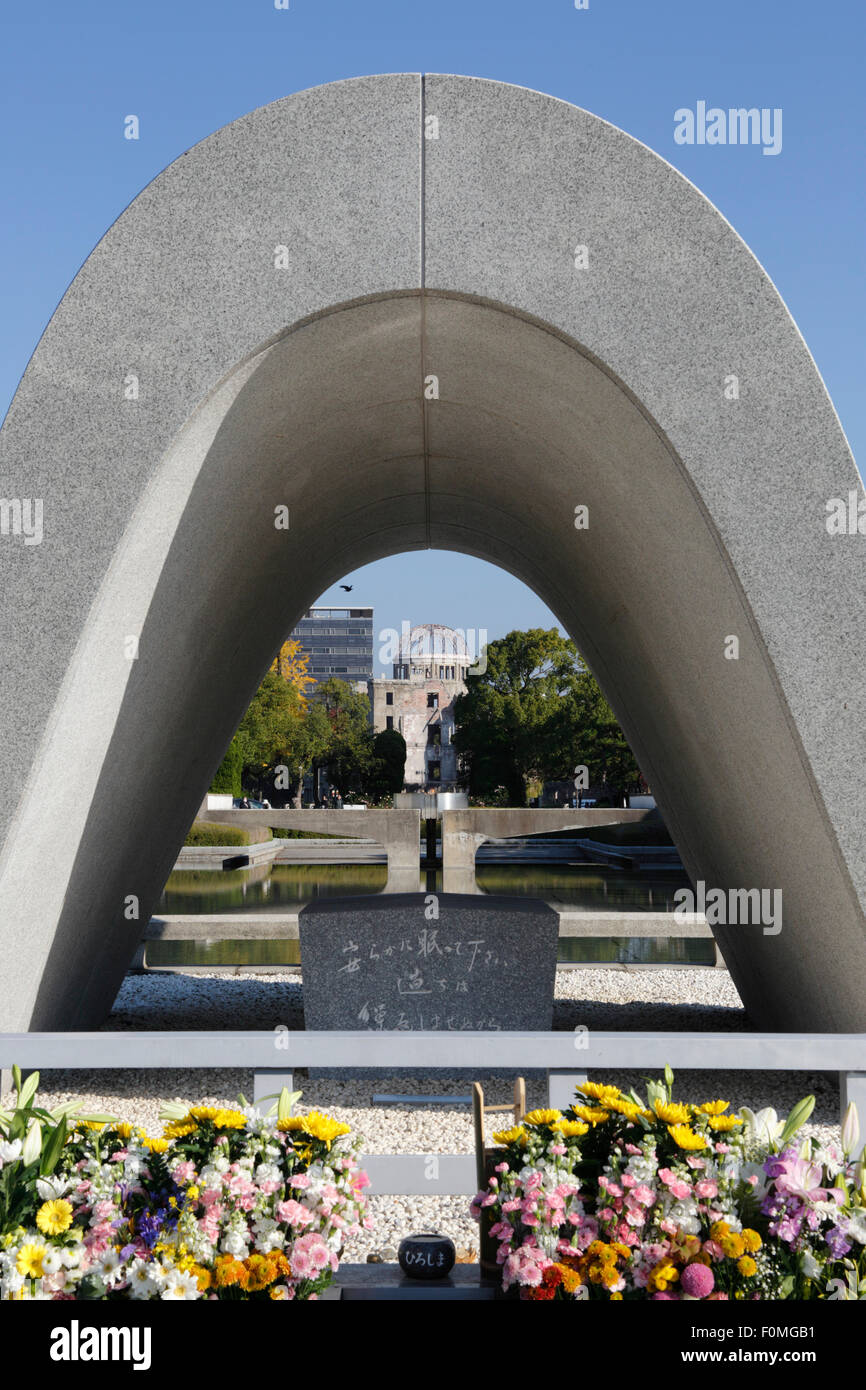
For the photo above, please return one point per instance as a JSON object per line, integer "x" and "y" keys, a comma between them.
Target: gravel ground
{"x": 642, "y": 1000}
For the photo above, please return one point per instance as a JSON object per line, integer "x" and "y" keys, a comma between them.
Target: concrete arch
{"x": 296, "y": 379}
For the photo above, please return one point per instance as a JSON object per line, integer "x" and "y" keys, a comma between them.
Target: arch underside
{"x": 688, "y": 543}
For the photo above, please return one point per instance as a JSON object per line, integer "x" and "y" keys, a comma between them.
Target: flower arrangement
{"x": 624, "y": 1197}
{"x": 225, "y": 1204}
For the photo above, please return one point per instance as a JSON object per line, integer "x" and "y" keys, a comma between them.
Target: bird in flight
{"x": 347, "y": 587}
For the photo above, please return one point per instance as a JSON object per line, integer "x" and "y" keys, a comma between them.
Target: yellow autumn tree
{"x": 292, "y": 663}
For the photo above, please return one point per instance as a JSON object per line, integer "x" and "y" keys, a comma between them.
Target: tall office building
{"x": 340, "y": 643}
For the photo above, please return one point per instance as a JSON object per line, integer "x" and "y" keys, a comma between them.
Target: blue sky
{"x": 70, "y": 73}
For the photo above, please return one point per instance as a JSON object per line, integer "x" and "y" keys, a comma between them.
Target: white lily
{"x": 763, "y": 1127}
{"x": 10, "y": 1150}
{"x": 32, "y": 1146}
{"x": 850, "y": 1130}
{"x": 50, "y": 1189}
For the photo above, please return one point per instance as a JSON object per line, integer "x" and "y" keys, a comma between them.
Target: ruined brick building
{"x": 418, "y": 701}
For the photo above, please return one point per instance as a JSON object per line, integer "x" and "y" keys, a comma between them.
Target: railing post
{"x": 561, "y": 1086}
{"x": 270, "y": 1082}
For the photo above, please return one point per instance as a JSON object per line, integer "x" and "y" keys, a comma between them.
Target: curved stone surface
{"x": 296, "y": 380}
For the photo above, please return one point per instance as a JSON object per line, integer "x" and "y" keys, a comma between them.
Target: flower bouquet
{"x": 630, "y": 1197}
{"x": 225, "y": 1204}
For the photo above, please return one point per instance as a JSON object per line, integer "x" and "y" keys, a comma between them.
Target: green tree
{"x": 280, "y": 729}
{"x": 533, "y": 715}
{"x": 387, "y": 764}
{"x": 349, "y": 750}
{"x": 227, "y": 777}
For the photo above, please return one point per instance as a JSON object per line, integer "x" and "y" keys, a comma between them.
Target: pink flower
{"x": 300, "y": 1180}
{"x": 802, "y": 1179}
{"x": 707, "y": 1187}
{"x": 302, "y": 1265}
{"x": 697, "y": 1281}
{"x": 313, "y": 1246}
{"x": 293, "y": 1213}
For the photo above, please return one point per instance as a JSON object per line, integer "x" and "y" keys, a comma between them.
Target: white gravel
{"x": 664, "y": 999}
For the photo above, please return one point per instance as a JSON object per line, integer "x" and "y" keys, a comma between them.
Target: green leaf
{"x": 286, "y": 1101}
{"x": 171, "y": 1110}
{"x": 53, "y": 1149}
{"x": 68, "y": 1107}
{"x": 97, "y": 1119}
{"x": 28, "y": 1090}
{"x": 798, "y": 1117}
{"x": 16, "y": 1077}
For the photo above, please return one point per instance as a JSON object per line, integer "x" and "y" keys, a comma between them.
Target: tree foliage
{"x": 387, "y": 765}
{"x": 533, "y": 715}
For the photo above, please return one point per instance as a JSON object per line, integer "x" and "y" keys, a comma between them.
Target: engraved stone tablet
{"x": 448, "y": 961}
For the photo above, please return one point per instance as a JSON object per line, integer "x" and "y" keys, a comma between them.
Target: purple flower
{"x": 837, "y": 1243}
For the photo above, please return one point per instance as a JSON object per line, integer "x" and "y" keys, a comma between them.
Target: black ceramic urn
{"x": 427, "y": 1255}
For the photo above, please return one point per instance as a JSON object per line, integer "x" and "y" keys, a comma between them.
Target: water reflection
{"x": 268, "y": 887}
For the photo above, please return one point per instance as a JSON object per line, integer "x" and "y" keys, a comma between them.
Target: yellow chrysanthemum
{"x": 616, "y": 1298}
{"x": 570, "y": 1129}
{"x": 571, "y": 1280}
{"x": 733, "y": 1246}
{"x": 203, "y": 1112}
{"x": 126, "y": 1130}
{"x": 290, "y": 1123}
{"x": 719, "y": 1229}
{"x": 323, "y": 1127}
{"x": 542, "y": 1117}
{"x": 662, "y": 1274}
{"x": 596, "y": 1090}
{"x": 746, "y": 1265}
{"x": 722, "y": 1123}
{"x": 751, "y": 1240}
{"x": 29, "y": 1260}
{"x": 713, "y": 1107}
{"x": 230, "y": 1119}
{"x": 177, "y": 1129}
{"x": 516, "y": 1135}
{"x": 593, "y": 1114}
{"x": 671, "y": 1113}
{"x": 685, "y": 1138}
{"x": 156, "y": 1146}
{"x": 625, "y": 1107}
{"x": 53, "y": 1218}
{"x": 90, "y": 1124}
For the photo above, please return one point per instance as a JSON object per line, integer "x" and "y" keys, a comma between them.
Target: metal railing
{"x": 566, "y": 1057}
